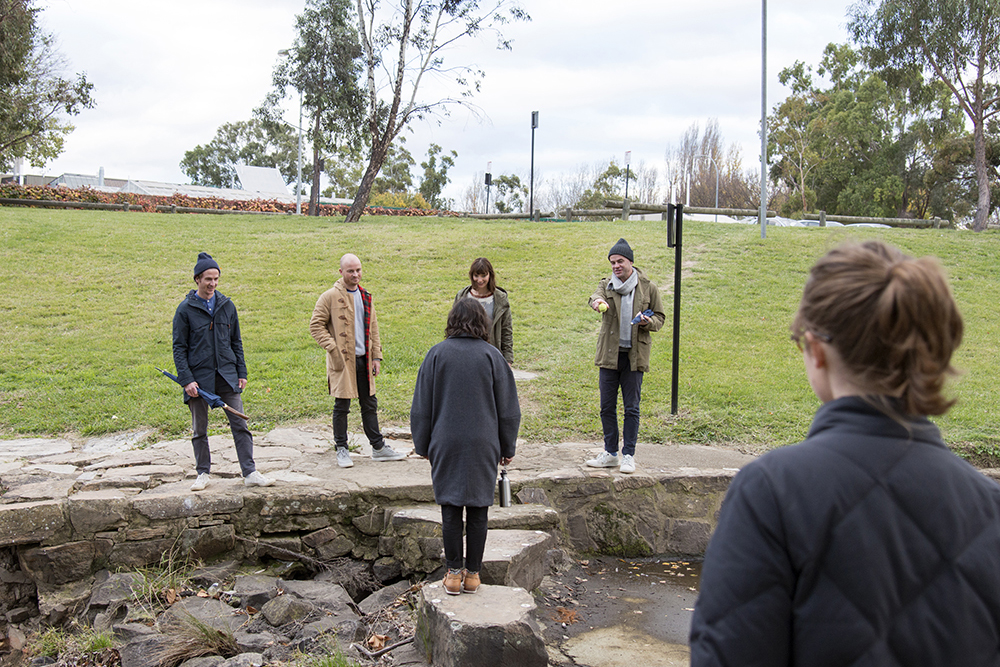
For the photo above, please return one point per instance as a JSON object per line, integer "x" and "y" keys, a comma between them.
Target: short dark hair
{"x": 469, "y": 318}
{"x": 482, "y": 265}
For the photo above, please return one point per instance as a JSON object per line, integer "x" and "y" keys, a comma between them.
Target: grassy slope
{"x": 89, "y": 297}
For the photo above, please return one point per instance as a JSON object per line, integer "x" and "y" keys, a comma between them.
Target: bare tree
{"x": 404, "y": 42}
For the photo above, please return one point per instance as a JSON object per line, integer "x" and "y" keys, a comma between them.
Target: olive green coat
{"x": 502, "y": 325}
{"x": 647, "y": 296}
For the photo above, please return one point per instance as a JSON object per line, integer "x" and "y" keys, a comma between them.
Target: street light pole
{"x": 298, "y": 181}
{"x": 710, "y": 159}
{"x": 763, "y": 120}
{"x": 531, "y": 197}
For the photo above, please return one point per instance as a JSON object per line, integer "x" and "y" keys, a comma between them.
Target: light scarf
{"x": 627, "y": 291}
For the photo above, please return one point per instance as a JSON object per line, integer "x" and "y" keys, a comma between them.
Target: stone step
{"x": 495, "y": 626}
{"x": 517, "y": 543}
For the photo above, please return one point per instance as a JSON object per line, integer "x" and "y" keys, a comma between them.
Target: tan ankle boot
{"x": 471, "y": 583}
{"x": 453, "y": 582}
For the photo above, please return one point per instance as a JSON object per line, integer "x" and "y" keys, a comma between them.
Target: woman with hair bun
{"x": 869, "y": 543}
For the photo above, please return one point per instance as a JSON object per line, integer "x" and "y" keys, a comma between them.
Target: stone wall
{"x": 57, "y": 545}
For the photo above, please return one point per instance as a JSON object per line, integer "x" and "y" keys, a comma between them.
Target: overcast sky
{"x": 605, "y": 77}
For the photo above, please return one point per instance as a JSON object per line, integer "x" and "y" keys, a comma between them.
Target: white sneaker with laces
{"x": 604, "y": 460}
{"x": 387, "y": 453}
{"x": 200, "y": 482}
{"x": 344, "y": 458}
{"x": 257, "y": 479}
{"x": 628, "y": 464}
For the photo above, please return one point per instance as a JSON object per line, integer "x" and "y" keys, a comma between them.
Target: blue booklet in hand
{"x": 648, "y": 313}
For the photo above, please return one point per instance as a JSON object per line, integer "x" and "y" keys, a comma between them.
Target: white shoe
{"x": 387, "y": 453}
{"x": 200, "y": 482}
{"x": 604, "y": 460}
{"x": 344, "y": 458}
{"x": 628, "y": 464}
{"x": 256, "y": 479}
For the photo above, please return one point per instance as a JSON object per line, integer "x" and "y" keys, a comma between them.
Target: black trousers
{"x": 476, "y": 519}
{"x": 369, "y": 410}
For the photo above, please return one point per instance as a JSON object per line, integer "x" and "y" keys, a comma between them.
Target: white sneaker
{"x": 344, "y": 458}
{"x": 200, "y": 482}
{"x": 604, "y": 460}
{"x": 387, "y": 453}
{"x": 256, "y": 479}
{"x": 628, "y": 464}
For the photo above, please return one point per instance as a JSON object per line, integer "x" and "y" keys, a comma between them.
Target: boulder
{"x": 493, "y": 627}
{"x": 286, "y": 609}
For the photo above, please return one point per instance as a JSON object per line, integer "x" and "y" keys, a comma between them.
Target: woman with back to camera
{"x": 870, "y": 543}
{"x": 464, "y": 418}
{"x": 484, "y": 291}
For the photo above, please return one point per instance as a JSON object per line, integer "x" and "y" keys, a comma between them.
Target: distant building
{"x": 257, "y": 182}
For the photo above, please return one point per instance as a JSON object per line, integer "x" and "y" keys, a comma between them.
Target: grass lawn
{"x": 89, "y": 296}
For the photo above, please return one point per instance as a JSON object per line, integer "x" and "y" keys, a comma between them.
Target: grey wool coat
{"x": 464, "y": 418}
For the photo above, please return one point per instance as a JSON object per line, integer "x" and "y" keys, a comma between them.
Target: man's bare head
{"x": 350, "y": 269}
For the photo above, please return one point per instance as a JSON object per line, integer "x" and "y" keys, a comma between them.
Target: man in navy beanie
{"x": 208, "y": 353}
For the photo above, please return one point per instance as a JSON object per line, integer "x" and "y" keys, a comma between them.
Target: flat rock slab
{"x": 516, "y": 557}
{"x": 493, "y": 628}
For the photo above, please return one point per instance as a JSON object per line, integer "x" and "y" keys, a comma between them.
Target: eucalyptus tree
{"x": 36, "y": 95}
{"x": 404, "y": 44}
{"x": 323, "y": 66}
{"x": 435, "y": 176}
{"x": 954, "y": 41}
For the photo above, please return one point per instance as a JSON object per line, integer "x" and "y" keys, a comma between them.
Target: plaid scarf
{"x": 366, "y": 300}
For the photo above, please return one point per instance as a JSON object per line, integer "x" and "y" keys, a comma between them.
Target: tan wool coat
{"x": 332, "y": 325}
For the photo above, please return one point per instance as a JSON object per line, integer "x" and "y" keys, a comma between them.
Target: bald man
{"x": 344, "y": 324}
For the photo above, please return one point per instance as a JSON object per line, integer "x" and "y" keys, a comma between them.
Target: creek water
{"x": 612, "y": 612}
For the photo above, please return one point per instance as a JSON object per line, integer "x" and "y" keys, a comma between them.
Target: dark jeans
{"x": 241, "y": 434}
{"x": 369, "y": 410}
{"x": 476, "y": 519}
{"x": 630, "y": 383}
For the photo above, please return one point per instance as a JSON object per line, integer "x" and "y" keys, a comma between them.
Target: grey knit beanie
{"x": 621, "y": 248}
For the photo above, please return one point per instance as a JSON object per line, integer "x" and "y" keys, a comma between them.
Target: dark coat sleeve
{"x": 422, "y": 407}
{"x": 236, "y": 343}
{"x": 508, "y": 409}
{"x": 181, "y": 341}
{"x": 744, "y": 611}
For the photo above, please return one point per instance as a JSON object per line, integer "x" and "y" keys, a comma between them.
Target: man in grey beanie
{"x": 208, "y": 353}
{"x": 623, "y": 347}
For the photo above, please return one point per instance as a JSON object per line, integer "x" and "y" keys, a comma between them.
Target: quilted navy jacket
{"x": 865, "y": 544}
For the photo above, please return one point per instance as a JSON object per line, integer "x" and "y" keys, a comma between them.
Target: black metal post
{"x": 489, "y": 182}
{"x": 531, "y": 196}
{"x": 677, "y": 224}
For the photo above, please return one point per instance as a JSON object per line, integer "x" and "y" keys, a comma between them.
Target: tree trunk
{"x": 367, "y": 181}
{"x": 314, "y": 192}
{"x": 982, "y": 177}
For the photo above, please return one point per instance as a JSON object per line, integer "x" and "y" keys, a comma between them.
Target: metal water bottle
{"x": 504, "y": 488}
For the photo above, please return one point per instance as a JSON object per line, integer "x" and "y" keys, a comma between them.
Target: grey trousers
{"x": 241, "y": 434}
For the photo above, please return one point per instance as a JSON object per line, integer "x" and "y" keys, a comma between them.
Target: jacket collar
{"x": 855, "y": 414}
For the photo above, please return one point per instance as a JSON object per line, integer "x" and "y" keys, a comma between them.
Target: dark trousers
{"x": 630, "y": 383}
{"x": 476, "y": 519}
{"x": 241, "y": 434}
{"x": 369, "y": 410}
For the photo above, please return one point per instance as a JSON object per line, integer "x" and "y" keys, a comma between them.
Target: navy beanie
{"x": 621, "y": 248}
{"x": 206, "y": 262}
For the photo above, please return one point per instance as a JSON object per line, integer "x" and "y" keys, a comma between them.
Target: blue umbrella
{"x": 213, "y": 400}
